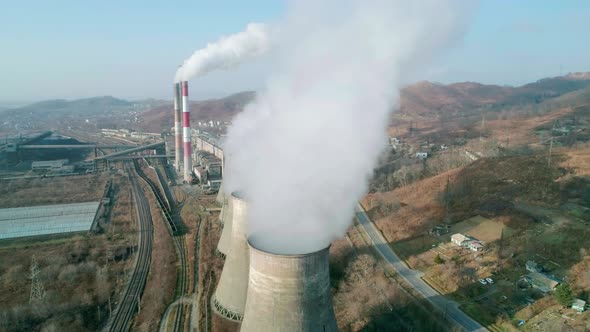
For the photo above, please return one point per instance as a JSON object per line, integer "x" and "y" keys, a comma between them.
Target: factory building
{"x": 208, "y": 143}
{"x": 57, "y": 166}
{"x": 210, "y": 163}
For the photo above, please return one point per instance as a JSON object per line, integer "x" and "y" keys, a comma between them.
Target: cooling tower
{"x": 230, "y": 296}
{"x": 220, "y": 195}
{"x": 186, "y": 133}
{"x": 177, "y": 127}
{"x": 288, "y": 292}
{"x": 226, "y": 234}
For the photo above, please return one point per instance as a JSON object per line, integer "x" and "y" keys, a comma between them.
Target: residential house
{"x": 467, "y": 242}
{"x": 475, "y": 245}
{"x": 421, "y": 155}
{"x": 459, "y": 239}
{"x": 542, "y": 282}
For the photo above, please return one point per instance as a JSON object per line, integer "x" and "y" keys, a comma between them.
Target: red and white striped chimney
{"x": 186, "y": 133}
{"x": 177, "y": 127}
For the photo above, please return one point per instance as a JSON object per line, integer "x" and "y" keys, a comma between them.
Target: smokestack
{"x": 186, "y": 133}
{"x": 177, "y": 127}
{"x": 229, "y": 299}
{"x": 226, "y": 216}
{"x": 288, "y": 292}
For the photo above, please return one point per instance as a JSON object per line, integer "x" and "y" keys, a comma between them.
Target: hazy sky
{"x": 130, "y": 49}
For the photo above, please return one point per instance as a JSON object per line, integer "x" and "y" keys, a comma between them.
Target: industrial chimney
{"x": 186, "y": 133}
{"x": 229, "y": 299}
{"x": 177, "y": 127}
{"x": 288, "y": 292}
{"x": 226, "y": 216}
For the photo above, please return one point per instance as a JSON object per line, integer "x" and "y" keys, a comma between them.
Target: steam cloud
{"x": 226, "y": 53}
{"x": 304, "y": 150}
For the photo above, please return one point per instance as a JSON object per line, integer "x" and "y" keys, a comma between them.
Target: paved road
{"x": 451, "y": 308}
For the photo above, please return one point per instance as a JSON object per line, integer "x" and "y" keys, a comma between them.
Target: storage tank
{"x": 288, "y": 292}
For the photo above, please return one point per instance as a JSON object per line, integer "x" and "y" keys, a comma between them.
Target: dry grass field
{"x": 483, "y": 229}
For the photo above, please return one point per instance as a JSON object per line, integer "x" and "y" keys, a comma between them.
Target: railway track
{"x": 130, "y": 302}
{"x": 183, "y": 280}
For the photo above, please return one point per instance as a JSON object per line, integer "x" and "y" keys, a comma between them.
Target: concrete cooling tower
{"x": 229, "y": 298}
{"x": 226, "y": 221}
{"x": 220, "y": 196}
{"x": 288, "y": 292}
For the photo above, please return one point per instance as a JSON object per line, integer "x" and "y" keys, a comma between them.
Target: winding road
{"x": 449, "y": 307}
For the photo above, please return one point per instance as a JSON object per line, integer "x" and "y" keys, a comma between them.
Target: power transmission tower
{"x": 37, "y": 290}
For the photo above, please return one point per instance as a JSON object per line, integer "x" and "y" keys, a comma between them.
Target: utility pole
{"x": 37, "y": 290}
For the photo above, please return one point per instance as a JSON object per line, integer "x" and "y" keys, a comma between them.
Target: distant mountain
{"x": 80, "y": 106}
{"x": 149, "y": 103}
{"x": 428, "y": 99}
{"x": 223, "y": 109}
{"x": 91, "y": 113}
{"x": 423, "y": 100}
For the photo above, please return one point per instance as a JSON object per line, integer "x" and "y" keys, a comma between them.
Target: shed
{"x": 579, "y": 305}
{"x": 532, "y": 266}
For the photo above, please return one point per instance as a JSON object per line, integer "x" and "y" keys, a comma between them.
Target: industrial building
{"x": 210, "y": 167}
{"x": 57, "y": 166}
{"x": 47, "y": 219}
{"x": 209, "y": 143}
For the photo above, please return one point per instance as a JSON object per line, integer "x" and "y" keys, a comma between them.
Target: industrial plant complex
{"x": 316, "y": 189}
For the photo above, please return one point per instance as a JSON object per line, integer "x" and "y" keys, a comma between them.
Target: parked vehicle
{"x": 483, "y": 282}
{"x": 490, "y": 280}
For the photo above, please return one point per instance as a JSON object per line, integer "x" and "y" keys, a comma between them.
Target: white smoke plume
{"x": 226, "y": 53}
{"x": 304, "y": 150}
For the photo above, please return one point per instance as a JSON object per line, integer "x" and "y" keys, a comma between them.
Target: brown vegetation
{"x": 223, "y": 109}
{"x": 410, "y": 210}
{"x": 366, "y": 298}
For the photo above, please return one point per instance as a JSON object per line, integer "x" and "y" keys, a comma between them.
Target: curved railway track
{"x": 182, "y": 284}
{"x": 129, "y": 304}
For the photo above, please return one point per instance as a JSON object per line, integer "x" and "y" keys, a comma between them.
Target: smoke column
{"x": 226, "y": 53}
{"x": 304, "y": 150}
